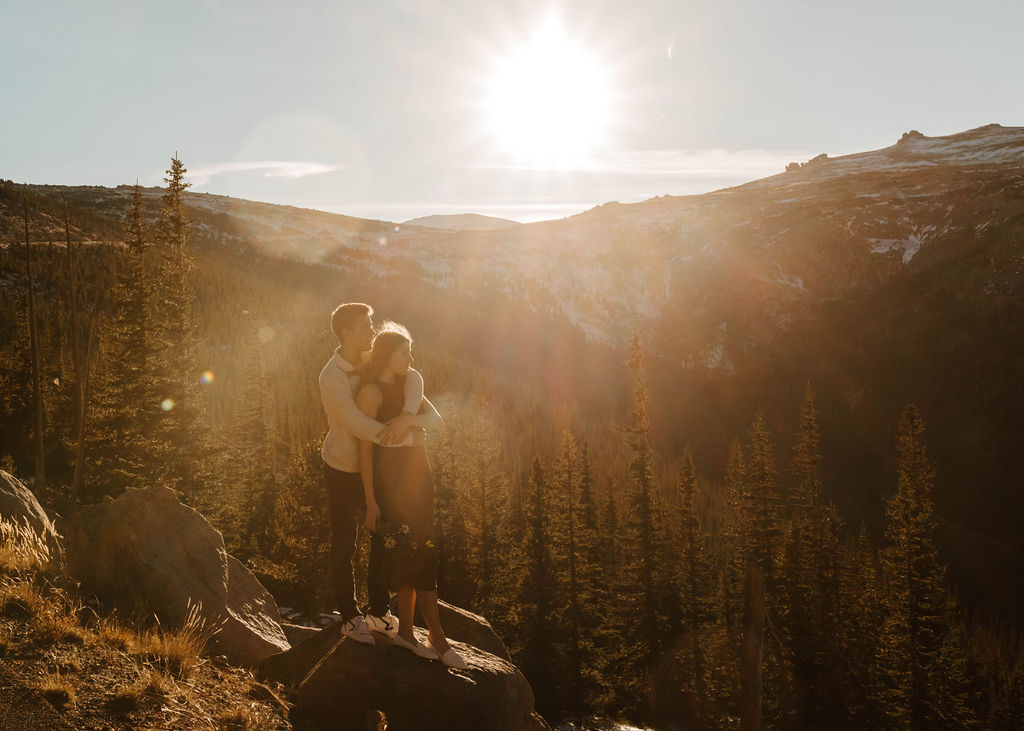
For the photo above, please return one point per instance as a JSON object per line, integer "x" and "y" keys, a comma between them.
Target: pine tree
{"x": 732, "y": 557}
{"x": 587, "y": 501}
{"x": 759, "y": 508}
{"x": 81, "y": 360}
{"x": 644, "y": 517}
{"x": 860, "y": 620}
{"x": 925, "y": 686}
{"x": 609, "y": 583}
{"x": 301, "y": 555}
{"x": 591, "y": 588}
{"x": 255, "y": 472}
{"x": 727, "y": 555}
{"x": 37, "y": 397}
{"x": 644, "y": 586}
{"x": 454, "y": 577}
{"x": 695, "y": 581}
{"x": 808, "y": 584}
{"x": 610, "y": 545}
{"x": 566, "y": 481}
{"x": 760, "y": 499}
{"x": 541, "y": 660}
{"x": 487, "y": 489}
{"x": 123, "y": 392}
{"x": 174, "y": 372}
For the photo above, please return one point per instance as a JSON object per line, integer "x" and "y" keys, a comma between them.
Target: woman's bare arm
{"x": 368, "y": 400}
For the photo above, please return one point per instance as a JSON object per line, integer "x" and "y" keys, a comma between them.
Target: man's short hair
{"x": 347, "y": 315}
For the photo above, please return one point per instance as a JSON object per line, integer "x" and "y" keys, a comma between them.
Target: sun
{"x": 548, "y": 100}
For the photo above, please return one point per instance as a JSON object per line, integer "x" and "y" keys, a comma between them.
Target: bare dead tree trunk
{"x": 751, "y": 684}
{"x": 37, "y": 396}
{"x": 76, "y": 480}
{"x": 77, "y": 366}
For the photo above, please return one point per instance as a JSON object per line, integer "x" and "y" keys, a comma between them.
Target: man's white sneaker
{"x": 386, "y": 625}
{"x": 356, "y": 629}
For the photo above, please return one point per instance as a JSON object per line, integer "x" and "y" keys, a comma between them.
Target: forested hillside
{"x": 661, "y": 424}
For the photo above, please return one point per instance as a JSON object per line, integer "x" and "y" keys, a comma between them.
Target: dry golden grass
{"x": 151, "y": 683}
{"x": 57, "y": 689}
{"x": 52, "y": 615}
{"x": 250, "y": 717}
{"x": 111, "y": 633}
{"x": 57, "y": 620}
{"x": 179, "y": 651}
{"x": 155, "y": 682}
{"x": 22, "y": 550}
{"x": 20, "y": 598}
{"x": 25, "y": 590}
{"x": 176, "y": 651}
{"x": 84, "y": 663}
{"x": 126, "y": 698}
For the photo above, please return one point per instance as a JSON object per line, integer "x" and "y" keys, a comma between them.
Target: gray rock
{"x": 470, "y": 628}
{"x": 352, "y": 680}
{"x": 298, "y": 633}
{"x": 148, "y": 548}
{"x": 341, "y": 683}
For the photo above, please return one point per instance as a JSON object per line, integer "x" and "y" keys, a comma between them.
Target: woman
{"x": 399, "y": 489}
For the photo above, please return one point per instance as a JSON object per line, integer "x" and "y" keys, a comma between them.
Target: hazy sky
{"x": 527, "y": 110}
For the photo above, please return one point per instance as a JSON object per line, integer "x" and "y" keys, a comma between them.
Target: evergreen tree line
{"x": 117, "y": 350}
{"x": 744, "y": 602}
{"x": 741, "y": 602}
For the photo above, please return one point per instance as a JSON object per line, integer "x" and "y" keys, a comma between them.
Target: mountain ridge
{"x": 879, "y": 285}
{"x": 462, "y": 221}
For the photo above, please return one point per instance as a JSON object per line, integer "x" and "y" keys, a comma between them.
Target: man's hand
{"x": 372, "y": 515}
{"x": 397, "y": 429}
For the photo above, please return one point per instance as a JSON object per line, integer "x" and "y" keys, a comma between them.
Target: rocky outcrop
{"x": 147, "y": 547}
{"x": 459, "y": 624}
{"x": 341, "y": 683}
{"x": 470, "y": 628}
{"x": 18, "y": 504}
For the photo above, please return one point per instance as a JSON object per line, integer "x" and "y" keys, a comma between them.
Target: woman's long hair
{"x": 387, "y": 340}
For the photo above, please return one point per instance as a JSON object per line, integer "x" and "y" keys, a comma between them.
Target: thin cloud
{"x": 674, "y": 163}
{"x": 266, "y": 169}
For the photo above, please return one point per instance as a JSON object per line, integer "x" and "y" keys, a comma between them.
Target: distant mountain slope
{"x": 462, "y": 222}
{"x": 881, "y": 278}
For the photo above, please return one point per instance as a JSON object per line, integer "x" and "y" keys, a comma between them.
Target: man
{"x": 339, "y": 380}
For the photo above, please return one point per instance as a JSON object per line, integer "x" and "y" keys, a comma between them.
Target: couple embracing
{"x": 377, "y": 473}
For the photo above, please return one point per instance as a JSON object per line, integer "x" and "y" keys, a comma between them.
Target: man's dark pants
{"x": 346, "y": 501}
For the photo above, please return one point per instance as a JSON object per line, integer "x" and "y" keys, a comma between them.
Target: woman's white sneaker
{"x": 419, "y": 649}
{"x": 450, "y": 658}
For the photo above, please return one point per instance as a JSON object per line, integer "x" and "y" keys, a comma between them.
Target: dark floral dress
{"x": 404, "y": 487}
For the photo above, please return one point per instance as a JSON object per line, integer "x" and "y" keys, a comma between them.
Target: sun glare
{"x": 548, "y": 100}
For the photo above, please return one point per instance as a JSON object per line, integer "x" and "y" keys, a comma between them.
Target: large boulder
{"x": 18, "y": 504}
{"x": 470, "y": 628}
{"x": 340, "y": 683}
{"x": 459, "y": 624}
{"x": 147, "y": 547}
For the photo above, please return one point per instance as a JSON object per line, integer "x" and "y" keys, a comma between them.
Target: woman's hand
{"x": 397, "y": 428}
{"x": 372, "y": 515}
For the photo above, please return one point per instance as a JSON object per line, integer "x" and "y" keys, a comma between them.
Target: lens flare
{"x": 266, "y": 334}
{"x": 167, "y": 404}
{"x": 206, "y": 378}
